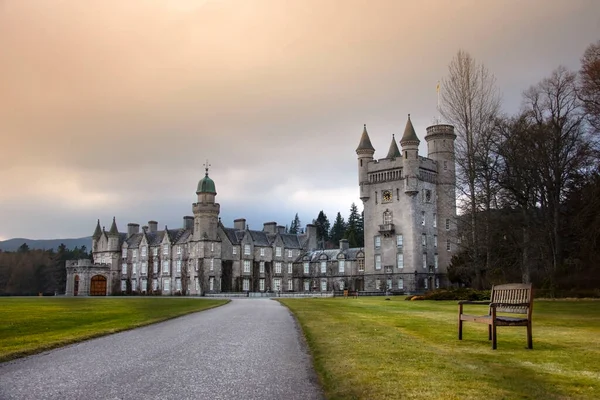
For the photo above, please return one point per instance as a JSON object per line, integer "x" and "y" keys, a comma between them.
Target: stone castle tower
{"x": 409, "y": 210}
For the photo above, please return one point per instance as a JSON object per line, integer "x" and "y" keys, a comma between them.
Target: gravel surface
{"x": 247, "y": 349}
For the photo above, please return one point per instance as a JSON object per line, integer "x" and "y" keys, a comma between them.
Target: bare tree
{"x": 589, "y": 85}
{"x": 471, "y": 102}
{"x": 560, "y": 150}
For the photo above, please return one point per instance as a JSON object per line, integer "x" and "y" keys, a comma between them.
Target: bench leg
{"x": 489, "y": 332}
{"x": 529, "y": 338}
{"x": 460, "y": 329}
{"x": 493, "y": 326}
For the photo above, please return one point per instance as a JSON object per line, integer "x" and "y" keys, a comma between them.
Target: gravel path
{"x": 247, "y": 349}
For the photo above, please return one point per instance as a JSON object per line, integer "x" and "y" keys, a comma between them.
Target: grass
{"x": 33, "y": 325}
{"x": 371, "y": 348}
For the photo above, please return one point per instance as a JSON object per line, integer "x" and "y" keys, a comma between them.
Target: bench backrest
{"x": 513, "y": 293}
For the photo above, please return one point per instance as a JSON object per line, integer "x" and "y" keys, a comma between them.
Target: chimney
{"x": 281, "y": 229}
{"x": 240, "y": 224}
{"x": 145, "y": 228}
{"x": 153, "y": 226}
{"x": 344, "y": 245}
{"x": 270, "y": 227}
{"x": 311, "y": 232}
{"x": 188, "y": 223}
{"x": 132, "y": 229}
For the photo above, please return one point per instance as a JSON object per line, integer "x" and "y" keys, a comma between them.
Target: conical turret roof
{"x": 113, "y": 228}
{"x": 409, "y": 133}
{"x": 394, "y": 151}
{"x": 365, "y": 143}
{"x": 98, "y": 231}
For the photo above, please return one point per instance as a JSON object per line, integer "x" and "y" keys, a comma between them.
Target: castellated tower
{"x": 206, "y": 211}
{"x": 440, "y": 148}
{"x": 409, "y": 211}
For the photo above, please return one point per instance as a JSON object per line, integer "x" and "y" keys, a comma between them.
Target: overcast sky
{"x": 110, "y": 108}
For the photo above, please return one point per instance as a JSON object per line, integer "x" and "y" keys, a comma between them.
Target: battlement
{"x": 440, "y": 129}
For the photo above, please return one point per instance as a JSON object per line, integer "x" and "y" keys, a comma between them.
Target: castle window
{"x": 290, "y": 285}
{"x": 234, "y": 251}
{"x": 435, "y": 241}
{"x": 196, "y": 264}
{"x": 246, "y": 284}
{"x": 124, "y": 269}
{"x": 261, "y": 285}
{"x": 399, "y": 240}
{"x": 377, "y": 241}
{"x": 166, "y": 267}
{"x": 144, "y": 268}
{"x": 423, "y": 218}
{"x": 134, "y": 270}
{"x": 435, "y": 261}
{"x": 144, "y": 283}
{"x": 261, "y": 267}
{"x": 247, "y": 249}
{"x": 400, "y": 283}
{"x": 448, "y": 244}
{"x": 341, "y": 266}
{"x": 167, "y": 285}
{"x": 426, "y": 284}
{"x": 387, "y": 217}
{"x": 447, "y": 224}
{"x": 165, "y": 249}
{"x": 424, "y": 260}
{"x": 290, "y": 253}
{"x": 361, "y": 264}
{"x": 277, "y": 284}
{"x": 377, "y": 284}
{"x": 306, "y": 286}
{"x": 400, "y": 259}
{"x": 323, "y": 285}
{"x": 135, "y": 253}
{"x": 123, "y": 285}
{"x": 212, "y": 247}
{"x": 437, "y": 283}
{"x": 197, "y": 284}
{"x": 427, "y": 194}
{"x": 424, "y": 239}
{"x": 323, "y": 267}
{"x": 211, "y": 283}
{"x": 155, "y": 268}
{"x": 155, "y": 251}
{"x": 178, "y": 284}
{"x": 389, "y": 284}
{"x": 277, "y": 251}
{"x": 143, "y": 251}
{"x": 124, "y": 253}
{"x": 434, "y": 220}
{"x": 306, "y": 268}
{"x": 262, "y": 252}
{"x": 179, "y": 249}
{"x": 445, "y": 165}
{"x": 246, "y": 265}
{"x": 290, "y": 266}
{"x": 178, "y": 266}
{"x": 154, "y": 284}
{"x": 378, "y": 261}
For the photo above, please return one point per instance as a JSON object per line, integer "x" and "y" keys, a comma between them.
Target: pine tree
{"x": 352, "y": 228}
{"x": 360, "y": 232}
{"x": 295, "y": 225}
{"x": 323, "y": 226}
{"x": 338, "y": 229}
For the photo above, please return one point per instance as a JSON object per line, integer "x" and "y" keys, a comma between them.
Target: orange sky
{"x": 111, "y": 107}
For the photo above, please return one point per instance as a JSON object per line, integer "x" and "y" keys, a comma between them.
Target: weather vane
{"x": 206, "y": 166}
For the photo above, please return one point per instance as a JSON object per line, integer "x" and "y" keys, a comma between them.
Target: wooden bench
{"x": 514, "y": 298}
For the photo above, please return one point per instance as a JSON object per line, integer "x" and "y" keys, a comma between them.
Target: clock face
{"x": 387, "y": 196}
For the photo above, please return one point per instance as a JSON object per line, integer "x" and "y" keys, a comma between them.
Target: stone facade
{"x": 204, "y": 256}
{"x": 409, "y": 211}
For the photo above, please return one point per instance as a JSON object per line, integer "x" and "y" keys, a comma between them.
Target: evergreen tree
{"x": 295, "y": 225}
{"x": 323, "y": 226}
{"x": 352, "y": 228}
{"x": 24, "y": 248}
{"x": 338, "y": 229}
{"x": 360, "y": 232}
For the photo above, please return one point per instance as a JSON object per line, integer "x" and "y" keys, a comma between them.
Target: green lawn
{"x": 370, "y": 348}
{"x": 32, "y": 325}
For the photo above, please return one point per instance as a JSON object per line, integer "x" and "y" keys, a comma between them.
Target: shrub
{"x": 457, "y": 294}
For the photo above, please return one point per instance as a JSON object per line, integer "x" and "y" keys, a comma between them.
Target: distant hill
{"x": 45, "y": 244}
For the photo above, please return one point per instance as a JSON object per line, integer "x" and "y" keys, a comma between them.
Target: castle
{"x": 406, "y": 248}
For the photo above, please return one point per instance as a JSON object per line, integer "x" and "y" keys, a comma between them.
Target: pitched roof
{"x": 155, "y": 238}
{"x": 134, "y": 240}
{"x": 113, "y": 228}
{"x": 231, "y": 235}
{"x": 365, "y": 143}
{"x": 259, "y": 238}
{"x": 409, "y": 133}
{"x": 98, "y": 231}
{"x": 394, "y": 151}
{"x": 290, "y": 241}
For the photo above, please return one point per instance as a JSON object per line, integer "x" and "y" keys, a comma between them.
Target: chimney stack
{"x": 240, "y": 224}
{"x": 270, "y": 227}
{"x": 281, "y": 229}
{"x": 188, "y": 223}
{"x": 152, "y": 226}
{"x": 311, "y": 232}
{"x": 132, "y": 229}
{"x": 344, "y": 245}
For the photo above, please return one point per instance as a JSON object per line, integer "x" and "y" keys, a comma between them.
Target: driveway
{"x": 247, "y": 349}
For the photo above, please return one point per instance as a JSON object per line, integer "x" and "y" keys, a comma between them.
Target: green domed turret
{"x": 206, "y": 185}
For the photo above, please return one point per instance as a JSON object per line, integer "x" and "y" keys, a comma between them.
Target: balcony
{"x": 386, "y": 228}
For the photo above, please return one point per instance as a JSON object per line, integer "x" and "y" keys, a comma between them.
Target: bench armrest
{"x": 509, "y": 304}
{"x": 482, "y": 303}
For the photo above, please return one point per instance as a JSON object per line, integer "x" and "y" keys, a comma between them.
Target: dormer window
{"x": 247, "y": 249}
{"x": 144, "y": 249}
{"x": 278, "y": 251}
{"x": 262, "y": 252}
{"x": 165, "y": 249}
